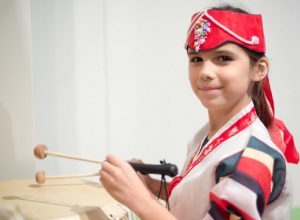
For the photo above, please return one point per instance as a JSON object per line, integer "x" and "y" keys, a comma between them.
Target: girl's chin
{"x": 212, "y": 104}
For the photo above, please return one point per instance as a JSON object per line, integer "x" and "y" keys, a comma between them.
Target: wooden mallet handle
{"x": 41, "y": 178}
{"x": 41, "y": 152}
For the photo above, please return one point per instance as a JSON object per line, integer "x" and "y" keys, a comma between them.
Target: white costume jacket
{"x": 238, "y": 174}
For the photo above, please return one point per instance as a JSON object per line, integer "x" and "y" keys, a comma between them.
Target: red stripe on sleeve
{"x": 223, "y": 204}
{"x": 259, "y": 172}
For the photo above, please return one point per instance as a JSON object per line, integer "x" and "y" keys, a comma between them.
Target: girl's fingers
{"x": 114, "y": 160}
{"x": 114, "y": 172}
{"x": 107, "y": 166}
{"x": 136, "y": 160}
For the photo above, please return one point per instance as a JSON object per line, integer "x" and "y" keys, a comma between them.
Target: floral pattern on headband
{"x": 201, "y": 29}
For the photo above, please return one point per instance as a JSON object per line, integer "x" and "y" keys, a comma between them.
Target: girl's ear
{"x": 261, "y": 69}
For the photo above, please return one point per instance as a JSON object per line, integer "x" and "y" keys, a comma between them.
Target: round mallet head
{"x": 40, "y": 177}
{"x": 39, "y": 151}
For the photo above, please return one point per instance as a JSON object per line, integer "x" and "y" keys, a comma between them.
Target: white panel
{"x": 54, "y": 81}
{"x": 16, "y": 127}
{"x": 90, "y": 81}
{"x": 69, "y": 83}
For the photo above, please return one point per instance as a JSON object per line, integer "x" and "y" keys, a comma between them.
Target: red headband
{"x": 243, "y": 29}
{"x": 210, "y": 29}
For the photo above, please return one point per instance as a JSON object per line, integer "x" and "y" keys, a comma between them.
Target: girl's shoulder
{"x": 261, "y": 134}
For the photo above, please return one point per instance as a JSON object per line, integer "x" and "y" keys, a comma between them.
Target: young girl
{"x": 236, "y": 164}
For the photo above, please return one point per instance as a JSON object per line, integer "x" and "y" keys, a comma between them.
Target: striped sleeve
{"x": 255, "y": 178}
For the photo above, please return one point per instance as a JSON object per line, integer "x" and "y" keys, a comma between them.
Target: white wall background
{"x": 91, "y": 77}
{"x": 16, "y": 124}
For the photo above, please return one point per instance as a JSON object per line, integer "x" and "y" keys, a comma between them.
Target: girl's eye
{"x": 224, "y": 58}
{"x": 196, "y": 59}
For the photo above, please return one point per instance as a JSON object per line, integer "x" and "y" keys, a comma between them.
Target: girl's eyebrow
{"x": 191, "y": 52}
{"x": 215, "y": 51}
{"x": 223, "y": 51}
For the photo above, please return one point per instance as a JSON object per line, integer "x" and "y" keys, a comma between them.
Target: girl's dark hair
{"x": 258, "y": 94}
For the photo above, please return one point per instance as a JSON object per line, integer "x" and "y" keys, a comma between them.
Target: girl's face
{"x": 221, "y": 77}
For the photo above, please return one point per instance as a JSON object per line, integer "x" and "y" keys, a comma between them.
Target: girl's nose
{"x": 206, "y": 72}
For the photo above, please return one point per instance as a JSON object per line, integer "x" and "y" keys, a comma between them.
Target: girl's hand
{"x": 123, "y": 183}
{"x": 154, "y": 185}
{"x": 145, "y": 178}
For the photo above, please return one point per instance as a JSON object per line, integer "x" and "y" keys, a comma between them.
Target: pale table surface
{"x": 60, "y": 199}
